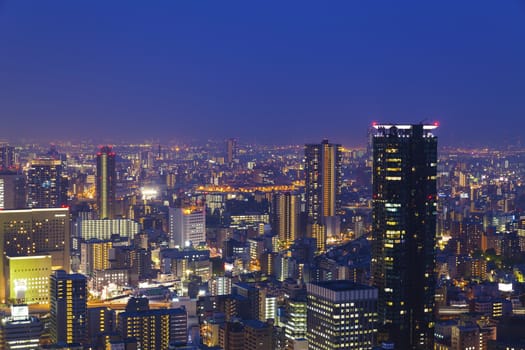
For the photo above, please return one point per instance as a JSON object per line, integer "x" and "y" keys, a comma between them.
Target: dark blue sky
{"x": 265, "y": 71}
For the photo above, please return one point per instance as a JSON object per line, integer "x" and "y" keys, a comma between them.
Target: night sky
{"x": 264, "y": 71}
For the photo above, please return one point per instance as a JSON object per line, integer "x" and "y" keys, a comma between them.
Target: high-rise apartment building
{"x": 46, "y": 186}
{"x": 187, "y": 226}
{"x": 404, "y": 229}
{"x": 68, "y": 307}
{"x": 286, "y": 217}
{"x": 341, "y": 315}
{"x": 323, "y": 190}
{"x": 34, "y": 232}
{"x": 153, "y": 329}
{"x": 94, "y": 255}
{"x": 106, "y": 183}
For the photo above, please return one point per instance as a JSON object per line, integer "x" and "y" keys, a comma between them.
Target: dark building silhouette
{"x": 12, "y": 190}
{"x": 404, "y": 228}
{"x": 231, "y": 151}
{"x": 68, "y": 307}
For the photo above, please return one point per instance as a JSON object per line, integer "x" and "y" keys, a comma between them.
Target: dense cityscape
{"x": 399, "y": 244}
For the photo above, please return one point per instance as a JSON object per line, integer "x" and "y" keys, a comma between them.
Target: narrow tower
{"x": 323, "y": 190}
{"x": 106, "y": 183}
{"x": 404, "y": 229}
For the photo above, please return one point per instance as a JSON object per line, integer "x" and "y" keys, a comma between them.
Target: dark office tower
{"x": 323, "y": 189}
{"x": 46, "y": 186}
{"x": 231, "y": 150}
{"x": 286, "y": 213}
{"x": 106, "y": 183}
{"x": 7, "y": 157}
{"x": 404, "y": 229}
{"x": 68, "y": 307}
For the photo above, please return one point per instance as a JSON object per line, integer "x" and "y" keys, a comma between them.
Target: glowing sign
{"x": 505, "y": 287}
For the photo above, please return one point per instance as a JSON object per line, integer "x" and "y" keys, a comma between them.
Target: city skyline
{"x": 208, "y": 175}
{"x": 267, "y": 73}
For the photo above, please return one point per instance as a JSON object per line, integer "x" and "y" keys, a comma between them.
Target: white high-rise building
{"x": 187, "y": 226}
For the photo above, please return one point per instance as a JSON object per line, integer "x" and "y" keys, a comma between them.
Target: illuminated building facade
{"x": 404, "y": 230}
{"x": 323, "y": 190}
{"x": 183, "y": 263}
{"x": 34, "y": 232}
{"x": 20, "y": 331}
{"x": 46, "y": 186}
{"x": 267, "y": 306}
{"x": 94, "y": 255}
{"x": 28, "y": 279}
{"x": 153, "y": 329}
{"x": 295, "y": 325}
{"x": 341, "y": 315}
{"x": 187, "y": 226}
{"x": 103, "y": 278}
{"x": 286, "y": 217}
{"x": 106, "y": 183}
{"x": 220, "y": 285}
{"x": 87, "y": 229}
{"x": 68, "y": 307}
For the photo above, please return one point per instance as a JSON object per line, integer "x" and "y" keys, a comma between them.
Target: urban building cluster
{"x": 238, "y": 246}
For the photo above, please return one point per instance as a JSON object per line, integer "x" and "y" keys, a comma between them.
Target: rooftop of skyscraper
{"x": 342, "y": 285}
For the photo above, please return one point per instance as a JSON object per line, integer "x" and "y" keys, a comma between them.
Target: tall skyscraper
{"x": 341, "y": 315}
{"x": 106, "y": 183}
{"x": 68, "y": 307}
{"x": 404, "y": 229}
{"x": 286, "y": 213}
{"x": 47, "y": 188}
{"x": 323, "y": 190}
{"x": 231, "y": 151}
